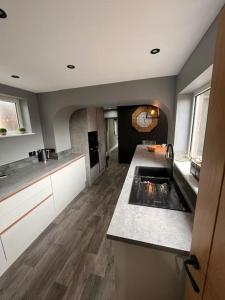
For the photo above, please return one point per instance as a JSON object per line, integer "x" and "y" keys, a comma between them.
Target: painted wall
{"x": 156, "y": 91}
{"x": 129, "y": 137}
{"x": 16, "y": 148}
{"x": 195, "y": 74}
{"x": 201, "y": 59}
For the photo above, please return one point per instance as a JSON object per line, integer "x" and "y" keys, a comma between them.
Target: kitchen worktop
{"x": 159, "y": 228}
{"x": 26, "y": 176}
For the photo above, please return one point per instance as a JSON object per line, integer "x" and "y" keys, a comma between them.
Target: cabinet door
{"x": 2, "y": 259}
{"x": 67, "y": 183}
{"x": 18, "y": 237}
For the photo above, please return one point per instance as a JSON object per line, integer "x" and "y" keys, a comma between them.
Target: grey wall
{"x": 16, "y": 148}
{"x": 156, "y": 91}
{"x": 200, "y": 60}
{"x": 195, "y": 73}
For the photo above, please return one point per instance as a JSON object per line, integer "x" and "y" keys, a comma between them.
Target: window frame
{"x": 16, "y": 101}
{"x": 195, "y": 95}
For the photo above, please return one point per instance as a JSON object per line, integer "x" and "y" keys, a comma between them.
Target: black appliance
{"x": 42, "y": 155}
{"x": 93, "y": 148}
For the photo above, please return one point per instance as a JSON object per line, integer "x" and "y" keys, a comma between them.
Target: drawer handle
{"x": 193, "y": 261}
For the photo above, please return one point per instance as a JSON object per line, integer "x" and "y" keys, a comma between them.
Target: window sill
{"x": 16, "y": 135}
{"x": 184, "y": 167}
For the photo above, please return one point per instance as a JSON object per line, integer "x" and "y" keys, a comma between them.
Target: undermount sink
{"x": 152, "y": 172}
{"x": 154, "y": 187}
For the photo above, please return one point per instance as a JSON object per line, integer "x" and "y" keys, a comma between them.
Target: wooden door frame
{"x": 212, "y": 170}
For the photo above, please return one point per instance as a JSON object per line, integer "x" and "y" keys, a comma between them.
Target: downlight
{"x": 155, "y": 51}
{"x": 3, "y": 14}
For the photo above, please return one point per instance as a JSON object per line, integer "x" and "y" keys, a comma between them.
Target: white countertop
{"x": 164, "y": 229}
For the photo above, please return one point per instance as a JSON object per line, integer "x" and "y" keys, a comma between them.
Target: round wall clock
{"x": 145, "y": 118}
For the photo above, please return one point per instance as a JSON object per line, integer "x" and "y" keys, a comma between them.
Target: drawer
{"x": 14, "y": 207}
{"x": 2, "y": 259}
{"x": 18, "y": 237}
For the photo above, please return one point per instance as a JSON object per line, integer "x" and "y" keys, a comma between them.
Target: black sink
{"x": 154, "y": 187}
{"x": 152, "y": 172}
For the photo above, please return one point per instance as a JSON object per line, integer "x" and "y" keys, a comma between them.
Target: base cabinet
{"x": 147, "y": 274}
{"x": 26, "y": 214}
{"x": 3, "y": 262}
{"x": 17, "y": 238}
{"x": 67, "y": 183}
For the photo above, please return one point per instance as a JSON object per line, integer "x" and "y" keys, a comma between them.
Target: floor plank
{"x": 71, "y": 259}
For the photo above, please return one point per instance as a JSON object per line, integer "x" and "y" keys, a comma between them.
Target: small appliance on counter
{"x": 42, "y": 155}
{"x": 195, "y": 168}
{"x": 50, "y": 152}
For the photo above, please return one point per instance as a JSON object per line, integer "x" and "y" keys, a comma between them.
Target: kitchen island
{"x": 149, "y": 243}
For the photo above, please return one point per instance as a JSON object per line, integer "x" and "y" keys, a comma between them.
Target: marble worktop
{"x": 26, "y": 176}
{"x": 163, "y": 229}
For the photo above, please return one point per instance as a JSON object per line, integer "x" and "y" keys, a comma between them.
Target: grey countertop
{"x": 163, "y": 229}
{"x": 24, "y": 177}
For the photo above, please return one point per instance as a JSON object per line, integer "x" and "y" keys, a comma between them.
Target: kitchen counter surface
{"x": 163, "y": 229}
{"x": 26, "y": 176}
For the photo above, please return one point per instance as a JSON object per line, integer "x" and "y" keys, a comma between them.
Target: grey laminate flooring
{"x": 71, "y": 259}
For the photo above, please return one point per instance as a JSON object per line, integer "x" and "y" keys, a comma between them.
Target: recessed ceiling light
{"x": 70, "y": 66}
{"x": 155, "y": 51}
{"x": 15, "y": 76}
{"x": 3, "y": 14}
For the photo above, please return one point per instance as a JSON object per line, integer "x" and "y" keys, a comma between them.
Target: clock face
{"x": 145, "y": 118}
{"x": 143, "y": 121}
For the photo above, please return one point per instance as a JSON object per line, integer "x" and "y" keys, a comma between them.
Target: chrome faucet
{"x": 170, "y": 158}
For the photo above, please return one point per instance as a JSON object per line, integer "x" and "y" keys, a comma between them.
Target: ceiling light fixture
{"x": 3, "y": 14}
{"x": 70, "y": 66}
{"x": 15, "y": 76}
{"x": 155, "y": 51}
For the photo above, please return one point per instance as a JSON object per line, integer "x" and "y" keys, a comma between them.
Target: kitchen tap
{"x": 170, "y": 158}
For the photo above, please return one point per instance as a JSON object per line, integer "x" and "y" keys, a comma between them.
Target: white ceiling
{"x": 107, "y": 40}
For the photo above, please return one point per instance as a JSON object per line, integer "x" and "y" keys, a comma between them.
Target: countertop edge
{"x": 38, "y": 178}
{"x": 147, "y": 245}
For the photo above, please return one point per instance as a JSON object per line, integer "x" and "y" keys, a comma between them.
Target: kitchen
{"x": 98, "y": 196}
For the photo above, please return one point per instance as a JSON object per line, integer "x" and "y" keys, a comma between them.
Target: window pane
{"x": 199, "y": 127}
{"x": 8, "y": 116}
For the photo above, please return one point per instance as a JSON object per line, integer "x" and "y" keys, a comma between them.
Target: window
{"x": 201, "y": 103}
{"x": 10, "y": 115}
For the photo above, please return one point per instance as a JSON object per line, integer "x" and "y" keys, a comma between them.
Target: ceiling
{"x": 107, "y": 40}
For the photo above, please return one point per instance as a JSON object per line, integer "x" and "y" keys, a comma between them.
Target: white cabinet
{"x": 26, "y": 214}
{"x": 16, "y": 206}
{"x": 67, "y": 183}
{"x": 18, "y": 237}
{"x": 2, "y": 259}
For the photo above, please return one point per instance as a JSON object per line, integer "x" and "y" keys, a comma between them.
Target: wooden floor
{"x": 72, "y": 258}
